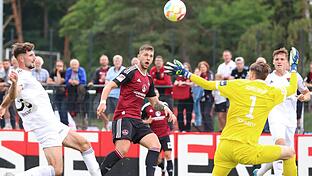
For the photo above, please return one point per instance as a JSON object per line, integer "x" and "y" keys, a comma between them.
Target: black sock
{"x": 169, "y": 167}
{"x": 151, "y": 162}
{"x": 110, "y": 161}
{"x": 162, "y": 165}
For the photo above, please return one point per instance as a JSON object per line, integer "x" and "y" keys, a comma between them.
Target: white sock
{"x": 264, "y": 169}
{"x": 91, "y": 163}
{"x": 278, "y": 168}
{"x": 39, "y": 170}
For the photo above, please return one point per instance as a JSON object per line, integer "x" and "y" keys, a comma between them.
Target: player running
{"x": 250, "y": 103}
{"x": 34, "y": 107}
{"x": 283, "y": 117}
{"x": 158, "y": 122}
{"x": 135, "y": 84}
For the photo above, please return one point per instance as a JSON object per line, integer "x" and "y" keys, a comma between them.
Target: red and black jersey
{"x": 159, "y": 124}
{"x": 134, "y": 87}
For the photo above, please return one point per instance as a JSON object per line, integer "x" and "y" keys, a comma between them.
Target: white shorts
{"x": 279, "y": 130}
{"x": 51, "y": 135}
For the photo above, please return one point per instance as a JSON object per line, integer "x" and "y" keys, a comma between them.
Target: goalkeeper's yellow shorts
{"x": 230, "y": 153}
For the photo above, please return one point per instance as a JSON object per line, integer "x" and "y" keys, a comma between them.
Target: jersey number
{"x": 23, "y": 105}
{"x": 252, "y": 107}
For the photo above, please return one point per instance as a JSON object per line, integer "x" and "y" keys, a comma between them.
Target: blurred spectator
{"x": 197, "y": 92}
{"x": 135, "y": 60}
{"x": 113, "y": 96}
{"x": 57, "y": 77}
{"x": 225, "y": 69}
{"x": 162, "y": 79}
{"x": 182, "y": 93}
{"x": 308, "y": 78}
{"x": 261, "y": 59}
{"x": 76, "y": 80}
{"x": 38, "y": 72}
{"x": 220, "y": 105}
{"x": 241, "y": 71}
{"x": 4, "y": 87}
{"x": 207, "y": 99}
{"x": 99, "y": 78}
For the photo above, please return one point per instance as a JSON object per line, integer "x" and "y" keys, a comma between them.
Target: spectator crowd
{"x": 195, "y": 108}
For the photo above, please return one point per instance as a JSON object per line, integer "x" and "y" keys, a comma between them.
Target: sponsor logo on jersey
{"x": 125, "y": 132}
{"x": 144, "y": 87}
{"x": 223, "y": 83}
{"x": 139, "y": 80}
{"x": 157, "y": 113}
{"x": 121, "y": 77}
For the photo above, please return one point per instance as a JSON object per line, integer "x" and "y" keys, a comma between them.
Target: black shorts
{"x": 220, "y": 107}
{"x": 111, "y": 104}
{"x": 165, "y": 143}
{"x": 130, "y": 129}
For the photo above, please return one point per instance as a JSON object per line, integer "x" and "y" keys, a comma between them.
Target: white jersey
{"x": 285, "y": 112}
{"x": 226, "y": 69}
{"x": 217, "y": 97}
{"x": 33, "y": 103}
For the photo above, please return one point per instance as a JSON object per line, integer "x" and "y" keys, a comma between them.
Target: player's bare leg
{"x": 151, "y": 142}
{"x": 55, "y": 161}
{"x": 121, "y": 148}
{"x": 75, "y": 141}
{"x": 222, "y": 120}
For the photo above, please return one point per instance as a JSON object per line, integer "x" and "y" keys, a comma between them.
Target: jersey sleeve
{"x": 280, "y": 94}
{"x": 125, "y": 76}
{"x": 301, "y": 86}
{"x": 151, "y": 91}
{"x": 227, "y": 87}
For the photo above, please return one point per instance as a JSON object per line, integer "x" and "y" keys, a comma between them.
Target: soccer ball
{"x": 175, "y": 10}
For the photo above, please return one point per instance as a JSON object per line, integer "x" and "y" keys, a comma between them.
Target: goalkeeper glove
{"x": 293, "y": 58}
{"x": 177, "y": 68}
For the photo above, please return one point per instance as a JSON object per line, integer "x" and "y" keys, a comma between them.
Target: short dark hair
{"x": 146, "y": 47}
{"x": 6, "y": 60}
{"x": 22, "y": 48}
{"x": 281, "y": 50}
{"x": 260, "y": 69}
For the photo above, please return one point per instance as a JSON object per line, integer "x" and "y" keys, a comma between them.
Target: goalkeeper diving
{"x": 250, "y": 103}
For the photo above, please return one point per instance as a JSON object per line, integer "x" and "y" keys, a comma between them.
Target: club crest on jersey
{"x": 120, "y": 77}
{"x": 125, "y": 132}
{"x": 157, "y": 113}
{"x": 223, "y": 83}
{"x": 144, "y": 87}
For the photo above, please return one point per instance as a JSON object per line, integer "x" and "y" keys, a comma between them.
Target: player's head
{"x": 159, "y": 61}
{"x": 259, "y": 70}
{"x": 227, "y": 56}
{"x": 280, "y": 59}
{"x": 219, "y": 76}
{"x": 104, "y": 60}
{"x": 24, "y": 54}
{"x": 146, "y": 56}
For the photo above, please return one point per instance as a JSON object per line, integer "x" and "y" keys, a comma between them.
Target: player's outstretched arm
{"x": 177, "y": 68}
{"x": 293, "y": 61}
{"x": 107, "y": 89}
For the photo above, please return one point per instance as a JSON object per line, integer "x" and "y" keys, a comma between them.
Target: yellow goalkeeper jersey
{"x": 250, "y": 103}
